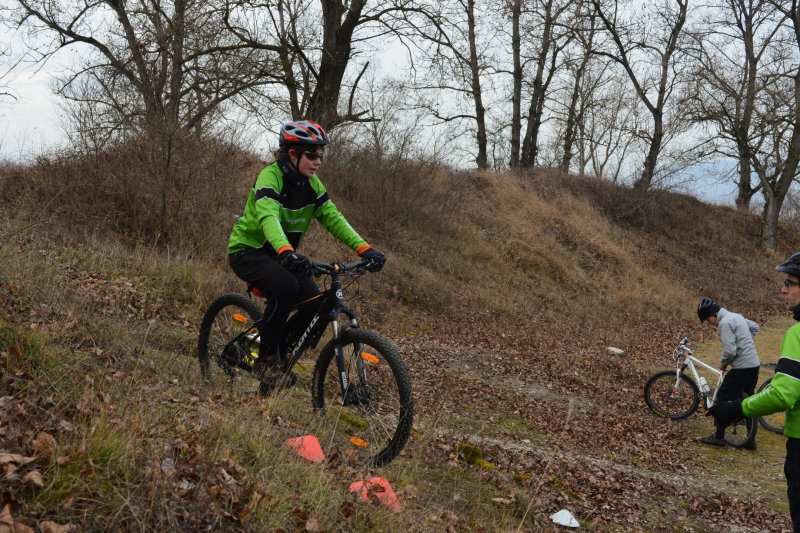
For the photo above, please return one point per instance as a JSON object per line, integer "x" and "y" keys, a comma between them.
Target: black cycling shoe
{"x": 712, "y": 441}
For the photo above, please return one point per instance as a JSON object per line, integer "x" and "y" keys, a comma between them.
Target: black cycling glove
{"x": 375, "y": 257}
{"x": 295, "y": 263}
{"x": 726, "y": 413}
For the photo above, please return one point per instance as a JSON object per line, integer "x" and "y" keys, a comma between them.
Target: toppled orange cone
{"x": 381, "y": 489}
{"x": 308, "y": 448}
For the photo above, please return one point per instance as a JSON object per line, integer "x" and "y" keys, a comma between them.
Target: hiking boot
{"x": 267, "y": 367}
{"x": 712, "y": 441}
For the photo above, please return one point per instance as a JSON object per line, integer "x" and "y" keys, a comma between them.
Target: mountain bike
{"x": 773, "y": 422}
{"x": 360, "y": 387}
{"x": 675, "y": 395}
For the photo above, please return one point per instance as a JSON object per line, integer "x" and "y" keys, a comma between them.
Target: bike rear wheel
{"x": 227, "y": 345}
{"x": 671, "y": 398}
{"x": 773, "y": 422}
{"x": 740, "y": 433}
{"x": 371, "y": 422}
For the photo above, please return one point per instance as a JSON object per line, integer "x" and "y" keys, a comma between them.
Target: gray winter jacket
{"x": 736, "y": 335}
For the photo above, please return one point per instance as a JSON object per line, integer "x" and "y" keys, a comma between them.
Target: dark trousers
{"x": 791, "y": 468}
{"x": 738, "y": 383}
{"x": 283, "y": 290}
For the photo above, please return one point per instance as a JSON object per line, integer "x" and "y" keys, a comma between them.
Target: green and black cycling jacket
{"x": 279, "y": 210}
{"x": 783, "y": 393}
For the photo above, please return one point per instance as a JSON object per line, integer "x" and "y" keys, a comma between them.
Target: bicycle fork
{"x": 352, "y": 393}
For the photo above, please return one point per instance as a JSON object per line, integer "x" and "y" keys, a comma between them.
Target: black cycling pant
{"x": 284, "y": 289}
{"x": 738, "y": 382}
{"x": 791, "y": 468}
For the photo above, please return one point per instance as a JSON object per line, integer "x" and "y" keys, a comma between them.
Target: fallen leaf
{"x": 6, "y": 520}
{"x": 66, "y": 426}
{"x": 34, "y": 477}
{"x": 53, "y": 527}
{"x": 15, "y": 458}
{"x": 14, "y": 357}
{"x": 312, "y": 524}
{"x": 44, "y": 443}
{"x": 22, "y": 528}
{"x": 227, "y": 478}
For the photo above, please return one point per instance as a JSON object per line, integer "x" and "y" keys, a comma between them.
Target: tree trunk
{"x": 769, "y": 229}
{"x": 531, "y": 140}
{"x": 480, "y": 113}
{"x": 649, "y": 170}
{"x": 516, "y": 98}
{"x": 744, "y": 191}
{"x": 574, "y": 116}
{"x": 337, "y": 40}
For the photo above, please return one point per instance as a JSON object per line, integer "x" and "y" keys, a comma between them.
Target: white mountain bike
{"x": 674, "y": 394}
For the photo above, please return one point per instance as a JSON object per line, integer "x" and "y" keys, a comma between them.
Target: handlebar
{"x": 321, "y": 269}
{"x": 682, "y": 349}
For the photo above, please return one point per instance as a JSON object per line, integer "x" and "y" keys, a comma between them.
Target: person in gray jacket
{"x": 738, "y": 353}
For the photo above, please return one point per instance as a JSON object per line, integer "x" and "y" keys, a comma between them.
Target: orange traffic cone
{"x": 308, "y": 448}
{"x": 381, "y": 489}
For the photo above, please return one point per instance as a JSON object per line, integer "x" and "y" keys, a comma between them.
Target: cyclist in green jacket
{"x": 262, "y": 249}
{"x": 784, "y": 392}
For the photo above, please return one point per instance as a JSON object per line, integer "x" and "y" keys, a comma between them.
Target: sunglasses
{"x": 313, "y": 156}
{"x": 789, "y": 283}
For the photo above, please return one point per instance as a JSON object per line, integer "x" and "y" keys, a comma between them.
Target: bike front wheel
{"x": 370, "y": 417}
{"x": 228, "y": 342}
{"x": 773, "y": 422}
{"x": 670, "y": 397}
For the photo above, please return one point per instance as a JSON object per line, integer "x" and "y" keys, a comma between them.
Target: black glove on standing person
{"x": 377, "y": 258}
{"x": 726, "y": 413}
{"x": 295, "y": 263}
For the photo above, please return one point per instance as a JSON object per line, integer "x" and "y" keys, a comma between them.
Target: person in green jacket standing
{"x": 784, "y": 392}
{"x": 262, "y": 249}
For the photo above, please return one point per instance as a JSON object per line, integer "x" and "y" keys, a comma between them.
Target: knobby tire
{"x": 375, "y": 429}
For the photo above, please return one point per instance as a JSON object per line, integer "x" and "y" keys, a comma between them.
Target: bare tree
{"x": 610, "y": 130}
{"x": 577, "y": 68}
{"x": 318, "y": 44}
{"x": 516, "y": 76}
{"x": 456, "y": 53}
{"x": 553, "y": 35}
{"x": 151, "y": 71}
{"x": 730, "y": 50}
{"x": 776, "y": 158}
{"x": 6, "y": 67}
{"x": 647, "y": 45}
{"x": 162, "y": 65}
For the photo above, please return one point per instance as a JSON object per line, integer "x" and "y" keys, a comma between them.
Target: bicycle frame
{"x": 689, "y": 361}
{"x": 332, "y": 306}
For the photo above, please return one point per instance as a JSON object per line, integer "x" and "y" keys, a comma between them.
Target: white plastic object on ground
{"x": 564, "y": 518}
{"x": 615, "y": 351}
